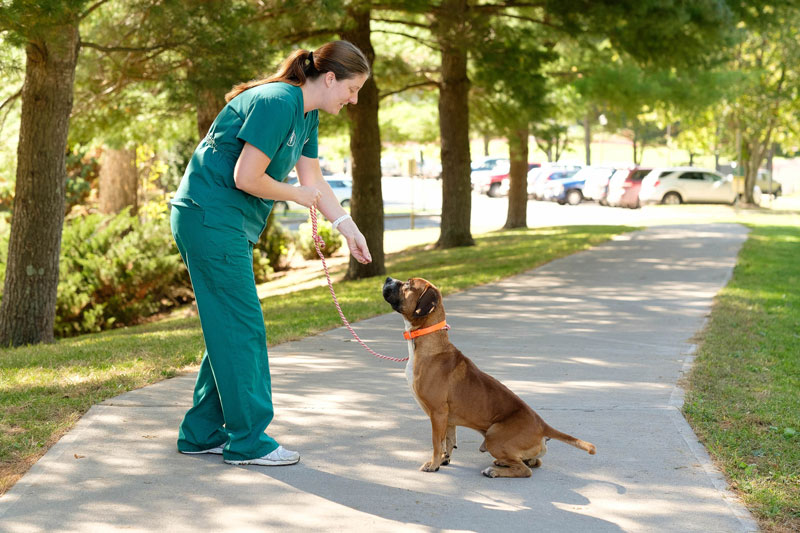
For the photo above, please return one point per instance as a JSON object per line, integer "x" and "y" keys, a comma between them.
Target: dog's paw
{"x": 428, "y": 467}
{"x": 533, "y": 463}
{"x": 489, "y": 472}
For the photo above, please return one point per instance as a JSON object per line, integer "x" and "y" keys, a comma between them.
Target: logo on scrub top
{"x": 292, "y": 139}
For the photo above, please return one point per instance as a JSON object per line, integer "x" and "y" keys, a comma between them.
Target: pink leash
{"x": 318, "y": 244}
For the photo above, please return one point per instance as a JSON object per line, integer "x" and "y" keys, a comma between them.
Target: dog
{"x": 454, "y": 392}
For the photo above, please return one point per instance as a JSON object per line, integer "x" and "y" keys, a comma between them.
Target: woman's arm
{"x": 249, "y": 176}
{"x": 310, "y": 175}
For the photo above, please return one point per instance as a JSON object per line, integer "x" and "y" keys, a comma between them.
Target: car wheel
{"x": 345, "y": 203}
{"x": 574, "y": 197}
{"x": 280, "y": 208}
{"x": 493, "y": 190}
{"x": 672, "y": 198}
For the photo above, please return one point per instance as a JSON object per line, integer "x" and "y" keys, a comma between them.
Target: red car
{"x": 496, "y": 181}
{"x": 628, "y": 195}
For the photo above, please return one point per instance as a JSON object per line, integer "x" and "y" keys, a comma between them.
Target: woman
{"x": 221, "y": 207}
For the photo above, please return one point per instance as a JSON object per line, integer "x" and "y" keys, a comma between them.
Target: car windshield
{"x": 487, "y": 164}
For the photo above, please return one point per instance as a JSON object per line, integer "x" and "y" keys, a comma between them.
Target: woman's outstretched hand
{"x": 355, "y": 241}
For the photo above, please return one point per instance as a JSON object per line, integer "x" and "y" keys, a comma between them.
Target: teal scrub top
{"x": 271, "y": 118}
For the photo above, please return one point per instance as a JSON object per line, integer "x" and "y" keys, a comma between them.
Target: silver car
{"x": 686, "y": 185}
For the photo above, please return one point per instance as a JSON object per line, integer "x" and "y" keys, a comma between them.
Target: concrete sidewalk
{"x": 595, "y": 342}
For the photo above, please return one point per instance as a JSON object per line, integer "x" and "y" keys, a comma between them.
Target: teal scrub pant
{"x": 232, "y": 396}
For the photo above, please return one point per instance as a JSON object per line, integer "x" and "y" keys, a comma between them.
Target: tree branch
{"x": 11, "y": 98}
{"x": 428, "y": 83}
{"x": 391, "y": 7}
{"x": 299, "y": 37}
{"x": 92, "y": 8}
{"x": 7, "y": 102}
{"x": 506, "y": 5}
{"x": 404, "y": 22}
{"x": 109, "y": 49}
{"x": 423, "y": 42}
{"x": 531, "y": 19}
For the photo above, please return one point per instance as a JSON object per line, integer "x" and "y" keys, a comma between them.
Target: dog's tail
{"x": 569, "y": 439}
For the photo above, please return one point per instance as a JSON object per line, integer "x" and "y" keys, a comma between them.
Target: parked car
{"x": 341, "y": 185}
{"x": 596, "y": 185}
{"x": 687, "y": 185}
{"x": 762, "y": 186}
{"x": 390, "y": 167}
{"x": 497, "y": 187}
{"x": 538, "y": 177}
{"x": 763, "y": 182}
{"x": 569, "y": 190}
{"x": 430, "y": 168}
{"x": 624, "y": 185}
{"x": 631, "y": 187}
{"x": 484, "y": 170}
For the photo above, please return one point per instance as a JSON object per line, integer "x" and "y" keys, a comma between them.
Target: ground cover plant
{"x": 744, "y": 391}
{"x": 45, "y": 389}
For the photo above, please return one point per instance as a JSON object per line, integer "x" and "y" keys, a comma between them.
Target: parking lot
{"x": 424, "y": 197}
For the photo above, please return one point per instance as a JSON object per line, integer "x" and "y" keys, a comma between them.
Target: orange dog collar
{"x": 408, "y": 335}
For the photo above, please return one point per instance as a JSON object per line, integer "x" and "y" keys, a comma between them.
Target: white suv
{"x": 686, "y": 185}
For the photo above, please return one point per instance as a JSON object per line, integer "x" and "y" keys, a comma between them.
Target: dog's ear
{"x": 426, "y": 302}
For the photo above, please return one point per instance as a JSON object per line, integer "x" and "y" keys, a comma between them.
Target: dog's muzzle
{"x": 391, "y": 292}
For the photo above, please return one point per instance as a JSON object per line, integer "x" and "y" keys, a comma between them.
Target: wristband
{"x": 340, "y": 220}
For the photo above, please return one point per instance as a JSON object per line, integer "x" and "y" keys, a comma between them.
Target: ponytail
{"x": 340, "y": 57}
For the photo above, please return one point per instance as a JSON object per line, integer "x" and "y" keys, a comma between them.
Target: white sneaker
{"x": 280, "y": 456}
{"x": 216, "y": 451}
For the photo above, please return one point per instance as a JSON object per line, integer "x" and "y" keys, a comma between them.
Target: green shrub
{"x": 333, "y": 239}
{"x": 116, "y": 270}
{"x": 277, "y": 244}
{"x": 83, "y": 171}
{"x": 262, "y": 271}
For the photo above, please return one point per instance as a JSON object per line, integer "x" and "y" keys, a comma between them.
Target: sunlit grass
{"x": 744, "y": 397}
{"x": 45, "y": 389}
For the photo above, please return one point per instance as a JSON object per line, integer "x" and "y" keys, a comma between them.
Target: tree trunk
{"x": 518, "y": 180}
{"x": 561, "y": 145}
{"x": 27, "y": 313}
{"x": 752, "y": 156}
{"x": 365, "y": 146}
{"x": 587, "y": 138}
{"x": 454, "y": 127}
{"x": 209, "y": 104}
{"x": 119, "y": 181}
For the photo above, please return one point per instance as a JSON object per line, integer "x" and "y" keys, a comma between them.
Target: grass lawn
{"x": 744, "y": 391}
{"x": 45, "y": 389}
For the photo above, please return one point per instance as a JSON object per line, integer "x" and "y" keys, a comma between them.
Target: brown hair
{"x": 342, "y": 58}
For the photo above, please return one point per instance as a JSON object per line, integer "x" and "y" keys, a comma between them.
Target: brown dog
{"x": 454, "y": 392}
